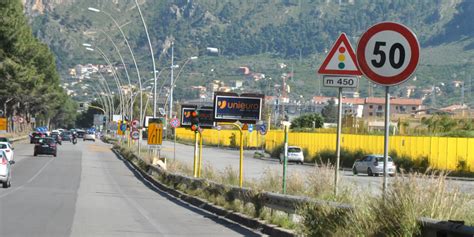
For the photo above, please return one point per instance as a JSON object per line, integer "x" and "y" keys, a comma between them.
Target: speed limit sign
{"x": 388, "y": 53}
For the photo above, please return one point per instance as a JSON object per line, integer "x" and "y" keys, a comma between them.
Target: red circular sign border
{"x": 172, "y": 122}
{"x": 412, "y": 41}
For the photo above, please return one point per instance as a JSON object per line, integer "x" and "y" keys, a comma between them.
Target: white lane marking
{"x": 27, "y": 182}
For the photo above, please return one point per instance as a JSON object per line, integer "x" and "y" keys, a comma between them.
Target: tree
{"x": 329, "y": 112}
{"x": 307, "y": 120}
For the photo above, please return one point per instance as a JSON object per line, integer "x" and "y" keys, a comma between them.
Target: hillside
{"x": 260, "y": 35}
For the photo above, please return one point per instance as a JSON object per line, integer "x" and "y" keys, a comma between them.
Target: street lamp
{"x": 117, "y": 81}
{"x": 152, "y": 57}
{"x": 173, "y": 83}
{"x": 131, "y": 52}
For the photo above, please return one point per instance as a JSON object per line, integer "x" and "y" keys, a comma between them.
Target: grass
{"x": 408, "y": 197}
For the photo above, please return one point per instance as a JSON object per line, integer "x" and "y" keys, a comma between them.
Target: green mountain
{"x": 260, "y": 35}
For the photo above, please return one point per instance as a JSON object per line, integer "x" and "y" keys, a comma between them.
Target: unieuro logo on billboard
{"x": 244, "y": 108}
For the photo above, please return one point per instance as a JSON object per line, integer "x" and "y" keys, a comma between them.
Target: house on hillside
{"x": 375, "y": 107}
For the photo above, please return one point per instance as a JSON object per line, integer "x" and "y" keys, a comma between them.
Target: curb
{"x": 16, "y": 139}
{"x": 244, "y": 220}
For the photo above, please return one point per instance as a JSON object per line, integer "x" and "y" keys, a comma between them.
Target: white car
{"x": 8, "y": 149}
{"x": 295, "y": 154}
{"x": 5, "y": 170}
{"x": 89, "y": 136}
{"x": 373, "y": 165}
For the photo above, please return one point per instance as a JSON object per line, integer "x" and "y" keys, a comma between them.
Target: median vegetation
{"x": 408, "y": 198}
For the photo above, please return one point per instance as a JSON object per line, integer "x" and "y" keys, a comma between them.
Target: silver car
{"x": 373, "y": 165}
{"x": 5, "y": 170}
{"x": 89, "y": 136}
{"x": 295, "y": 154}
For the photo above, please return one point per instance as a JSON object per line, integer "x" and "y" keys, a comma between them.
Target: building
{"x": 375, "y": 107}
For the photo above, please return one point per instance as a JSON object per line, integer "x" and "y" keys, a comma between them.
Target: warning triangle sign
{"x": 341, "y": 60}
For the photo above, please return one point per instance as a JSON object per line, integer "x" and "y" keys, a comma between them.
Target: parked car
{"x": 373, "y": 165}
{"x": 89, "y": 136}
{"x": 8, "y": 149}
{"x": 5, "y": 170}
{"x": 46, "y": 146}
{"x": 295, "y": 154}
{"x": 66, "y": 136}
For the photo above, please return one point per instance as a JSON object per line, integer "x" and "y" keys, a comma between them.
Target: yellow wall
{"x": 442, "y": 152}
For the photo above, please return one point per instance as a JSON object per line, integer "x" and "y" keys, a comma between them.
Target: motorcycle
{"x": 74, "y": 141}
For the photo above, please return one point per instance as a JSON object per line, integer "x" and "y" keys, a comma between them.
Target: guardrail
{"x": 288, "y": 203}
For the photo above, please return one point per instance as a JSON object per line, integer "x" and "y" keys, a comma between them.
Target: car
{"x": 295, "y": 154}
{"x": 89, "y": 136}
{"x": 373, "y": 165}
{"x": 35, "y": 136}
{"x": 47, "y": 146}
{"x": 5, "y": 170}
{"x": 5, "y": 139}
{"x": 66, "y": 136}
{"x": 80, "y": 133}
{"x": 8, "y": 149}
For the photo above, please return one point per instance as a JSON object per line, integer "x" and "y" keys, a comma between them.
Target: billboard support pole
{"x": 241, "y": 169}
{"x": 200, "y": 155}
{"x": 195, "y": 154}
{"x": 241, "y": 164}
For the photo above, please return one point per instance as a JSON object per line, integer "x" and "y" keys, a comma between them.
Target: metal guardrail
{"x": 290, "y": 204}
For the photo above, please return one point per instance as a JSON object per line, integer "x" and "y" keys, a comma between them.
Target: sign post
{"x": 174, "y": 123}
{"x": 388, "y": 54}
{"x": 340, "y": 70}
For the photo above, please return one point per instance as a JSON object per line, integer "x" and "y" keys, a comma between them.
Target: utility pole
{"x": 172, "y": 82}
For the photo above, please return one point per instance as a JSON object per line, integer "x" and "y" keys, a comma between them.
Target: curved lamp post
{"x": 117, "y": 81}
{"x": 152, "y": 57}
{"x": 170, "y": 96}
{"x": 131, "y": 52}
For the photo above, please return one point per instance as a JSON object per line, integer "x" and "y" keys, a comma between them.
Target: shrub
{"x": 233, "y": 140}
{"x": 275, "y": 153}
{"x": 347, "y": 157}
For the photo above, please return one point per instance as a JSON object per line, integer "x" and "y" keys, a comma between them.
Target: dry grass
{"x": 408, "y": 197}
{"x": 396, "y": 213}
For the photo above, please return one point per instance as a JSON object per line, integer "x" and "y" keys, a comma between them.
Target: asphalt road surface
{"x": 220, "y": 158}
{"x": 87, "y": 191}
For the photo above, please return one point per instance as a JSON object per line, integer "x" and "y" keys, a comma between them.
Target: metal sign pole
{"x": 174, "y": 145}
{"x": 285, "y": 158}
{"x": 386, "y": 136}
{"x": 338, "y": 140}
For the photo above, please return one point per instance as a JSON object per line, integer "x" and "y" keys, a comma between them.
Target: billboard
{"x": 206, "y": 118}
{"x": 231, "y": 107}
{"x": 186, "y": 115}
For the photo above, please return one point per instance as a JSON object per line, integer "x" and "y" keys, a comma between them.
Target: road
{"x": 87, "y": 191}
{"x": 220, "y": 158}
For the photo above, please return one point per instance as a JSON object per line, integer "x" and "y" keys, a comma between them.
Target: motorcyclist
{"x": 74, "y": 137}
